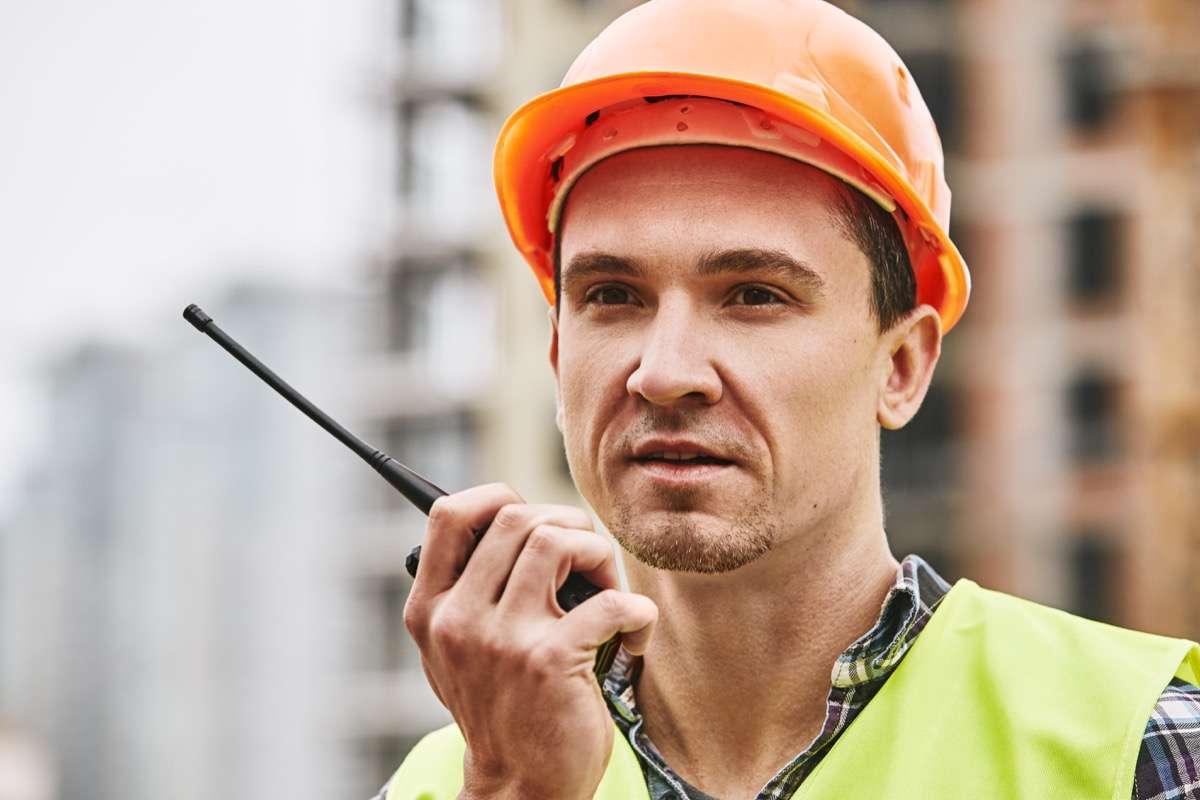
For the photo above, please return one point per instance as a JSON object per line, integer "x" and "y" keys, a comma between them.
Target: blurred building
{"x": 172, "y": 618}
{"x": 1058, "y": 453}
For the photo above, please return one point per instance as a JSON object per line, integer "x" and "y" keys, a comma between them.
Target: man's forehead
{"x": 719, "y": 209}
{"x": 707, "y": 164}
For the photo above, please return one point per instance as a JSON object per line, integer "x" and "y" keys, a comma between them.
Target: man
{"x": 737, "y": 209}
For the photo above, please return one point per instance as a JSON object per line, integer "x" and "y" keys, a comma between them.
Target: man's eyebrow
{"x": 758, "y": 260}
{"x": 585, "y": 265}
{"x": 746, "y": 259}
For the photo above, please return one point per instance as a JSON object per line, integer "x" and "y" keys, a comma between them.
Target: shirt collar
{"x": 908, "y": 605}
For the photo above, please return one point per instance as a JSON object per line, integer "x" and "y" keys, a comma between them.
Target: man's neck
{"x": 736, "y": 678}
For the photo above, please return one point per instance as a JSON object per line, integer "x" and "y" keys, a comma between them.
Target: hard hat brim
{"x": 537, "y": 133}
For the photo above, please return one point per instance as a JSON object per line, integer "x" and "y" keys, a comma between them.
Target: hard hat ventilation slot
{"x": 590, "y": 118}
{"x": 556, "y": 169}
{"x": 902, "y": 85}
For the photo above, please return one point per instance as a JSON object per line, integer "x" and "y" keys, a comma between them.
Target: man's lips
{"x": 676, "y": 461}
{"x": 681, "y": 473}
{"x": 678, "y": 453}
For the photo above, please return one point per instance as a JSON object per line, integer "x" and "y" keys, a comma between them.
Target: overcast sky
{"x": 150, "y": 150}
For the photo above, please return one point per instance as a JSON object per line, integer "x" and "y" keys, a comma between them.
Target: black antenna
{"x": 419, "y": 491}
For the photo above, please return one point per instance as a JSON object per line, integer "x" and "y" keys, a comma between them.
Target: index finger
{"x": 450, "y": 534}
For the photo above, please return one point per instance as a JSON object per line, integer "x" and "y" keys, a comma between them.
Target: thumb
{"x": 597, "y": 619}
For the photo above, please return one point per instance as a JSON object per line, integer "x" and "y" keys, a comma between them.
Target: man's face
{"x": 710, "y": 304}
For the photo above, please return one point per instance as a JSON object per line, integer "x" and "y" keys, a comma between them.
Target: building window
{"x": 441, "y": 447}
{"x": 441, "y": 315}
{"x": 1092, "y": 400}
{"x": 1094, "y": 561}
{"x": 936, "y": 74}
{"x": 1093, "y": 254}
{"x": 923, "y": 454}
{"x": 384, "y": 643}
{"x": 452, "y": 41}
{"x": 1088, "y": 82}
{"x": 445, "y": 165}
{"x": 406, "y": 19}
{"x": 963, "y": 234}
{"x": 411, "y": 288}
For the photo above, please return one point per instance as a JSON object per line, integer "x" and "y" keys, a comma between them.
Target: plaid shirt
{"x": 1168, "y": 766}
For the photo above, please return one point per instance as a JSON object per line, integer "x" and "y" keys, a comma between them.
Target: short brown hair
{"x": 875, "y": 231}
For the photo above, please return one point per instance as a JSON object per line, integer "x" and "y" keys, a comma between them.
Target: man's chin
{"x": 679, "y": 541}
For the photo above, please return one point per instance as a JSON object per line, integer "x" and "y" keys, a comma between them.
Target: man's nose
{"x": 676, "y": 359}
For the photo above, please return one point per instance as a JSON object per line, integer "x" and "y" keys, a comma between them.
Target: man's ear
{"x": 909, "y": 352}
{"x": 552, "y": 314}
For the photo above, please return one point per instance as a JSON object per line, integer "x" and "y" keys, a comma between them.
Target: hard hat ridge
{"x": 690, "y": 120}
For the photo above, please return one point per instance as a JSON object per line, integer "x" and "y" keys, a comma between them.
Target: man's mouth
{"x": 681, "y": 470}
{"x": 681, "y": 459}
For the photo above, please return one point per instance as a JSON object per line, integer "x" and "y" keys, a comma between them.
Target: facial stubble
{"x": 675, "y": 528}
{"x": 675, "y": 537}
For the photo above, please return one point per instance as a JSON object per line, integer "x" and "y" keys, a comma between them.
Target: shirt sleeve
{"x": 1168, "y": 766}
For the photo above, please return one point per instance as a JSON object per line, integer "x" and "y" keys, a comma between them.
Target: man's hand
{"x": 514, "y": 670}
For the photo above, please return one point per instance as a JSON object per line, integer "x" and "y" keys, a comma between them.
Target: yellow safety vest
{"x": 998, "y": 697}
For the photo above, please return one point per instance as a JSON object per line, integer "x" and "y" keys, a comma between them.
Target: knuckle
{"x": 579, "y": 518}
{"x": 510, "y": 515}
{"x": 544, "y": 657}
{"x": 492, "y": 648}
{"x": 448, "y": 630}
{"x": 598, "y": 545}
{"x": 543, "y": 540}
{"x": 415, "y": 618}
{"x": 443, "y": 512}
{"x": 610, "y": 603}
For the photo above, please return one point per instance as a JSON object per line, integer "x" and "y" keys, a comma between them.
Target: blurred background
{"x": 201, "y": 593}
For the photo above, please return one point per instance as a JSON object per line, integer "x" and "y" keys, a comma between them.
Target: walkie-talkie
{"x": 419, "y": 491}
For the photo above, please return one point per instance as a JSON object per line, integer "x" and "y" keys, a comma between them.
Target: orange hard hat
{"x": 803, "y": 79}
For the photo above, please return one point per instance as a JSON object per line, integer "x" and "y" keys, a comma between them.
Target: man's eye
{"x": 608, "y": 296}
{"x": 756, "y": 296}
